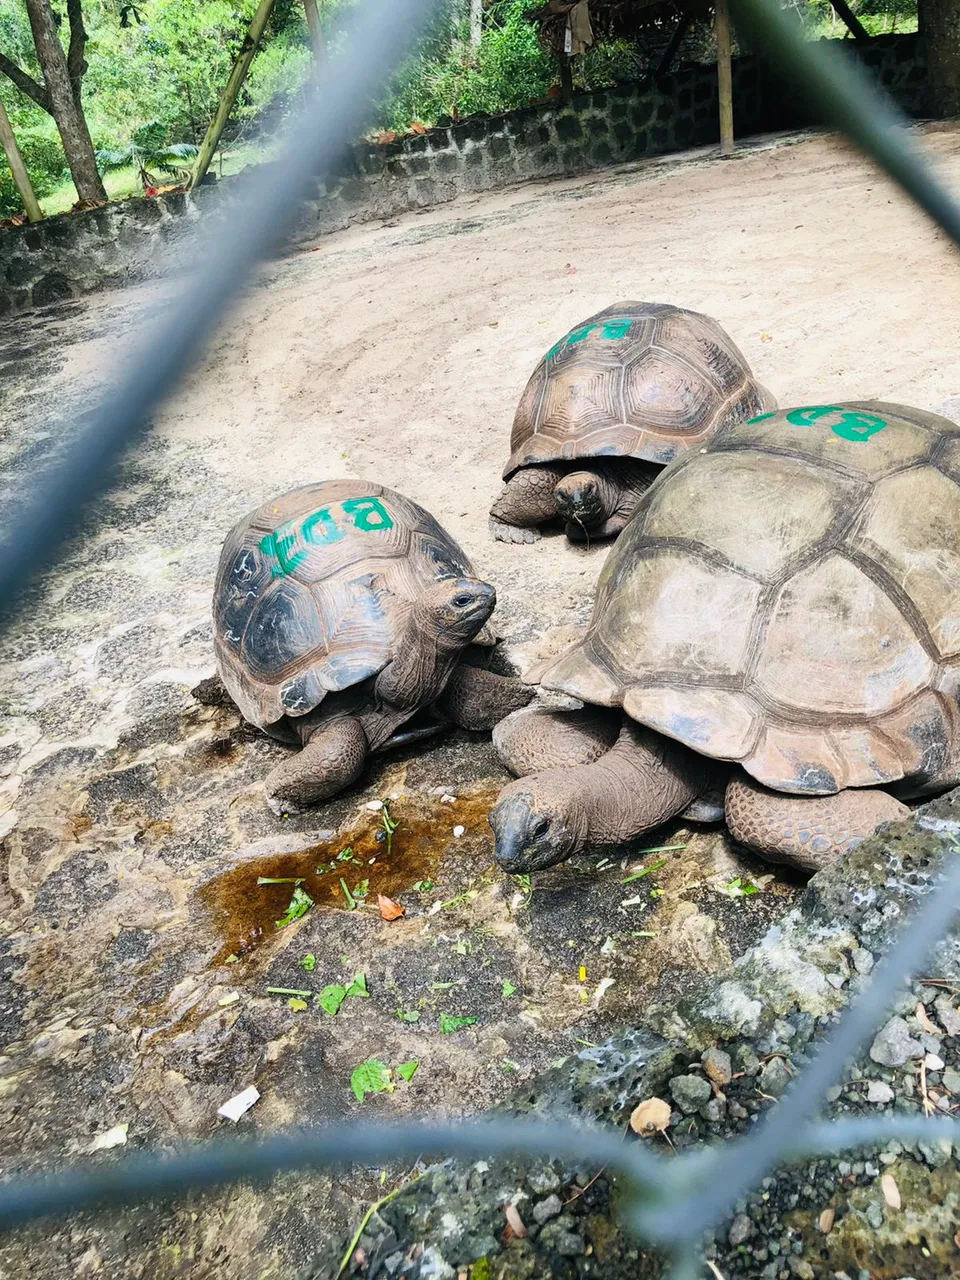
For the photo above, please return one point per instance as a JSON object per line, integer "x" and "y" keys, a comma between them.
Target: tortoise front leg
{"x": 332, "y": 759}
{"x": 529, "y": 741}
{"x": 478, "y": 699}
{"x": 526, "y": 500}
{"x": 807, "y": 832}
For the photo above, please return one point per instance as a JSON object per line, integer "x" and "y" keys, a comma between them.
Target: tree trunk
{"x": 476, "y": 22}
{"x": 316, "y": 32}
{"x": 721, "y": 22}
{"x": 939, "y": 22}
{"x": 71, "y": 123}
{"x": 18, "y": 168}
{"x": 76, "y": 62}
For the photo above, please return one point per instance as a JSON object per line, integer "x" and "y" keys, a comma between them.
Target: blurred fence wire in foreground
{"x": 671, "y": 1201}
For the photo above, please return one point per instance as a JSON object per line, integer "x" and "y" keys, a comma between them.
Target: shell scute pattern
{"x": 640, "y": 380}
{"x": 786, "y": 598}
{"x": 301, "y": 600}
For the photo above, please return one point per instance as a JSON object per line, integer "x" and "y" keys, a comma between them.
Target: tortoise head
{"x": 455, "y": 609}
{"x": 581, "y": 499}
{"x": 536, "y": 823}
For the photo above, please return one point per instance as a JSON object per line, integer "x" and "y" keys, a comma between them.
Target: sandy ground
{"x": 134, "y": 827}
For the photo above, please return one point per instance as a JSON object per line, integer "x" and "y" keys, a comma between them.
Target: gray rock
{"x": 774, "y": 1078}
{"x": 862, "y": 960}
{"x": 879, "y": 1092}
{"x": 802, "y": 1269}
{"x": 894, "y": 1046}
{"x": 566, "y": 1243}
{"x": 741, "y": 1229}
{"x": 714, "y": 1111}
{"x": 834, "y": 1092}
{"x": 718, "y": 1066}
{"x": 433, "y": 1267}
{"x": 948, "y": 1014}
{"x": 690, "y": 1092}
{"x": 543, "y": 1180}
{"x": 544, "y": 1210}
{"x": 951, "y": 1079}
{"x": 746, "y": 1060}
{"x": 875, "y": 1215}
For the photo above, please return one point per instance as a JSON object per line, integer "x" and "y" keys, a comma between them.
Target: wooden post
{"x": 724, "y": 75}
{"x": 566, "y": 76}
{"x": 851, "y": 21}
{"x": 18, "y": 168}
{"x": 237, "y": 76}
{"x": 316, "y": 32}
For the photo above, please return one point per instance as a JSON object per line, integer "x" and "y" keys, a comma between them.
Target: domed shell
{"x": 301, "y": 603}
{"x": 637, "y": 380}
{"x": 789, "y": 597}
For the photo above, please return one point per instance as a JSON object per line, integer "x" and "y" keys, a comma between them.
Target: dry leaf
{"x": 386, "y": 136}
{"x": 389, "y": 910}
{"x": 891, "y": 1192}
{"x": 924, "y": 1020}
{"x": 417, "y": 127}
{"x": 766, "y": 337}
{"x": 652, "y": 1116}
{"x": 825, "y": 1222}
{"x": 514, "y": 1222}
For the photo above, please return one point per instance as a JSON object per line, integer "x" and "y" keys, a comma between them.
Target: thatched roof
{"x": 614, "y": 19}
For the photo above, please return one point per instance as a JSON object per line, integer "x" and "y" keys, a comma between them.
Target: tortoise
{"x": 341, "y": 609}
{"x": 786, "y": 600}
{"x": 609, "y": 405}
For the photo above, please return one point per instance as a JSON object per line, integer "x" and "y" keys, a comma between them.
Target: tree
{"x": 939, "y": 22}
{"x": 59, "y": 93}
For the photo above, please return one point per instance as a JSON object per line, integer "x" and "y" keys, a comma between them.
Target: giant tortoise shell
{"x": 298, "y": 602}
{"x": 788, "y": 597}
{"x": 644, "y": 380}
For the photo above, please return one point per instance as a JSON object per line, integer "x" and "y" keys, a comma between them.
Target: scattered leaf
{"x": 657, "y": 893}
{"x": 358, "y": 987}
{"x": 371, "y": 1076}
{"x": 515, "y": 1225}
{"x": 351, "y": 902}
{"x": 739, "y": 888}
{"x": 463, "y": 948}
{"x": 924, "y": 1020}
{"x": 766, "y": 337}
{"x": 289, "y": 991}
{"x": 441, "y": 986}
{"x": 449, "y": 1023}
{"x": 331, "y": 998}
{"x": 389, "y": 910}
{"x": 230, "y": 998}
{"x": 422, "y": 886}
{"x": 300, "y": 904}
{"x": 891, "y": 1192}
{"x": 417, "y": 127}
{"x": 297, "y": 1005}
{"x": 279, "y": 879}
{"x": 386, "y": 136}
{"x": 826, "y": 1220}
{"x": 645, "y": 871}
{"x": 508, "y": 989}
{"x": 582, "y": 974}
{"x": 408, "y": 1070}
{"x": 115, "y": 1137}
{"x": 232, "y": 959}
{"x": 408, "y": 1015}
{"x": 652, "y": 1116}
{"x": 308, "y": 963}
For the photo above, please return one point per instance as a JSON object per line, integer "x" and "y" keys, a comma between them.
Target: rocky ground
{"x": 137, "y": 948}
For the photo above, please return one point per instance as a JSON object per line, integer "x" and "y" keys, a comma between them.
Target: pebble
{"x": 875, "y": 1215}
{"x": 547, "y": 1209}
{"x": 741, "y": 1229}
{"x": 951, "y": 1079}
{"x": 948, "y": 1013}
{"x": 933, "y": 1063}
{"x": 458, "y": 832}
{"x": 690, "y": 1092}
{"x": 566, "y": 1243}
{"x": 746, "y": 1060}
{"x": 738, "y": 1112}
{"x": 894, "y": 1046}
{"x": 834, "y": 1092}
{"x": 802, "y": 1269}
{"x": 774, "y": 1078}
{"x": 717, "y": 1065}
{"x": 879, "y": 1092}
{"x": 862, "y": 960}
{"x": 543, "y": 1180}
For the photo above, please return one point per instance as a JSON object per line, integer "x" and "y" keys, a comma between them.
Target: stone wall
{"x": 78, "y": 253}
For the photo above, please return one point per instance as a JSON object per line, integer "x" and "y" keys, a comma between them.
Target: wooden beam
{"x": 663, "y": 66}
{"x": 850, "y": 19}
{"x": 566, "y": 76}
{"x": 237, "y": 76}
{"x": 721, "y": 22}
{"x": 18, "y": 168}
{"x": 316, "y": 32}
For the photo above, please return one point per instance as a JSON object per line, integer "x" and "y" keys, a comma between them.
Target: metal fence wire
{"x": 671, "y": 1201}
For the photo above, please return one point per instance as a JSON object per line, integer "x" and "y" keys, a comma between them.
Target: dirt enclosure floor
{"x": 137, "y": 948}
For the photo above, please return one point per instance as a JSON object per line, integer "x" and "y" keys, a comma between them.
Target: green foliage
{"x": 148, "y": 150}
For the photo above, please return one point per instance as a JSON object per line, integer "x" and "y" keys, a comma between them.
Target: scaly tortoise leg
{"x": 526, "y": 500}
{"x": 807, "y": 832}
{"x": 529, "y": 741}
{"x": 478, "y": 699}
{"x": 332, "y": 759}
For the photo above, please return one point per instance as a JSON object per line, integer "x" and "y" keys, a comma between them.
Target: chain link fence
{"x": 670, "y": 1202}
